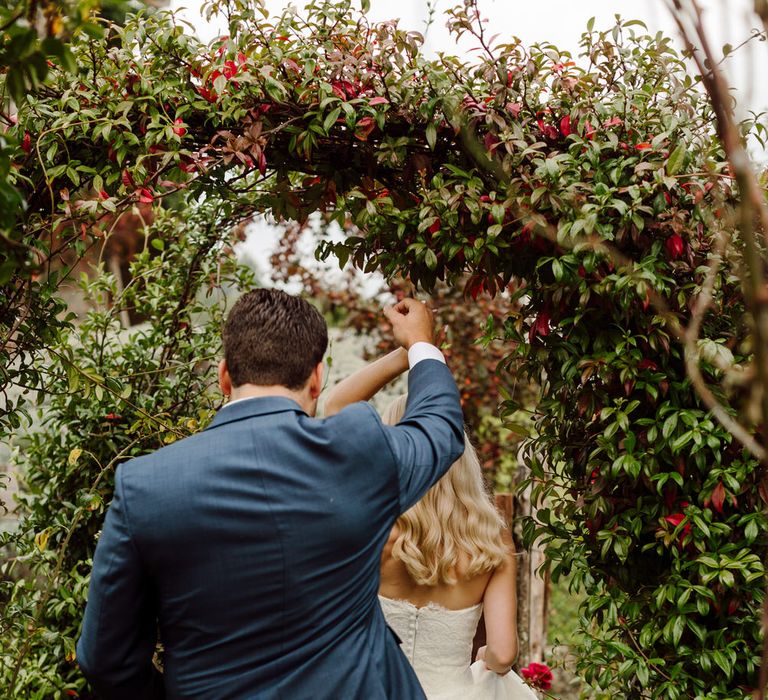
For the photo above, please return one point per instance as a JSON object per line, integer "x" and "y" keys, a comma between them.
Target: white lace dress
{"x": 438, "y": 643}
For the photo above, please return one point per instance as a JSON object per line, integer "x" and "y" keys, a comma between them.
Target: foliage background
{"x": 590, "y": 197}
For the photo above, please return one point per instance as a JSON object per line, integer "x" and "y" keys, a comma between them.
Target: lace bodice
{"x": 433, "y": 633}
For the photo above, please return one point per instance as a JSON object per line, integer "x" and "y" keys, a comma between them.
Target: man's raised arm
{"x": 430, "y": 435}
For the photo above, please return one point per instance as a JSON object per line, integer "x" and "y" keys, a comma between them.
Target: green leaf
{"x": 676, "y": 160}
{"x": 431, "y": 134}
{"x": 722, "y": 662}
{"x": 669, "y": 426}
{"x": 330, "y": 119}
{"x": 677, "y": 629}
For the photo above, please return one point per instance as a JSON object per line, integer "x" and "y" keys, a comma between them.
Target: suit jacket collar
{"x": 257, "y": 406}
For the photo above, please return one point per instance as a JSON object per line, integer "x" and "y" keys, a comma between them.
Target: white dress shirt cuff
{"x": 423, "y": 351}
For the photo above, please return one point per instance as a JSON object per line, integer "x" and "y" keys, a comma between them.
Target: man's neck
{"x": 257, "y": 391}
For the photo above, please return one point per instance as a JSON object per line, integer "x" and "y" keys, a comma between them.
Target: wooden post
{"x": 532, "y": 590}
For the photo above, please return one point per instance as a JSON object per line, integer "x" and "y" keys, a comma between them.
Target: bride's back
{"x": 398, "y": 584}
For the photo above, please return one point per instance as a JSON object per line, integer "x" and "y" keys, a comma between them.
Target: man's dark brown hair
{"x": 271, "y": 337}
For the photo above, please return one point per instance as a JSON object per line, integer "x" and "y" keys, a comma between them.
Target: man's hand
{"x": 412, "y": 322}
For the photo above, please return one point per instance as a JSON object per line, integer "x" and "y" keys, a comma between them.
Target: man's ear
{"x": 225, "y": 381}
{"x": 316, "y": 381}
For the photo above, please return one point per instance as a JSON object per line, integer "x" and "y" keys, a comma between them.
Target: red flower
{"x": 675, "y": 246}
{"x": 179, "y": 129}
{"x": 538, "y": 675}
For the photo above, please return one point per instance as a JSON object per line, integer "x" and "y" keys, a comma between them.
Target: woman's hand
{"x": 363, "y": 384}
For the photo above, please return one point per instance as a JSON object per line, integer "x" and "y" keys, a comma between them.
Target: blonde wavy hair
{"x": 456, "y": 516}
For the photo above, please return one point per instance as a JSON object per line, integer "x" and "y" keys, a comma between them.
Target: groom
{"x": 253, "y": 547}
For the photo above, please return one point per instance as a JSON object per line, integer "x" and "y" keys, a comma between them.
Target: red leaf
{"x": 206, "y": 94}
{"x": 718, "y": 497}
{"x": 292, "y": 65}
{"x": 540, "y": 326}
{"x": 262, "y": 163}
{"x": 565, "y": 125}
{"x": 491, "y": 141}
{"x": 675, "y": 246}
{"x": 364, "y": 127}
{"x": 230, "y": 69}
{"x": 378, "y": 101}
{"x": 26, "y": 142}
{"x": 675, "y": 519}
{"x": 643, "y": 146}
{"x": 145, "y": 196}
{"x": 127, "y": 179}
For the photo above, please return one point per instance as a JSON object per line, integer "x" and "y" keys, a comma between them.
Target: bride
{"x": 448, "y": 560}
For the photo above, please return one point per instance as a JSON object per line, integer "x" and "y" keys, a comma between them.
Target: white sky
{"x": 559, "y": 22}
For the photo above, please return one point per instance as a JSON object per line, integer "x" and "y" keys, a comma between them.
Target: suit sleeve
{"x": 430, "y": 436}
{"x": 120, "y": 625}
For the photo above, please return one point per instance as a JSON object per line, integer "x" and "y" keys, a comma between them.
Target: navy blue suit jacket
{"x": 254, "y": 548}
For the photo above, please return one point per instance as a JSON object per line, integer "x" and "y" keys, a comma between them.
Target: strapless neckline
{"x": 431, "y": 605}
